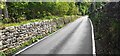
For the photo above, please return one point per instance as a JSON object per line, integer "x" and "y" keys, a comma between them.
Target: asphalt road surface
{"x": 75, "y": 38}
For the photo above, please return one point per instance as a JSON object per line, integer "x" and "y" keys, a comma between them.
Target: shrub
{"x": 6, "y": 20}
{"x": 2, "y": 54}
{"x": 21, "y": 19}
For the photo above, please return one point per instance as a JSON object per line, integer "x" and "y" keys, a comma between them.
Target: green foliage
{"x": 73, "y": 9}
{"x": 19, "y": 23}
{"x": 50, "y": 17}
{"x": 21, "y": 19}
{"x": 2, "y": 4}
{"x": 60, "y": 26}
{"x": 32, "y": 10}
{"x": 6, "y": 20}
{"x": 2, "y": 54}
{"x": 12, "y": 51}
{"x": 84, "y": 6}
{"x": 61, "y": 8}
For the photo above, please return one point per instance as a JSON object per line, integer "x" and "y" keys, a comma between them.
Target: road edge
{"x": 93, "y": 40}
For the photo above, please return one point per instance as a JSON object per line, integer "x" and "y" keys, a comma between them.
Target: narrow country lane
{"x": 75, "y": 38}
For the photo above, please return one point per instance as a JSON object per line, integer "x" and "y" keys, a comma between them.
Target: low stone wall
{"x": 14, "y": 36}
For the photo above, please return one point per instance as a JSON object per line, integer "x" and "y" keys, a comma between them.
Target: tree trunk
{"x": 0, "y": 14}
{"x": 5, "y": 11}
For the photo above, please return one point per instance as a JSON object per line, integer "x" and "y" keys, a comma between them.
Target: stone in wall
{"x": 1, "y": 45}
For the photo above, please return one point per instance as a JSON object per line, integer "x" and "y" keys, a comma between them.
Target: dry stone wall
{"x": 14, "y": 36}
